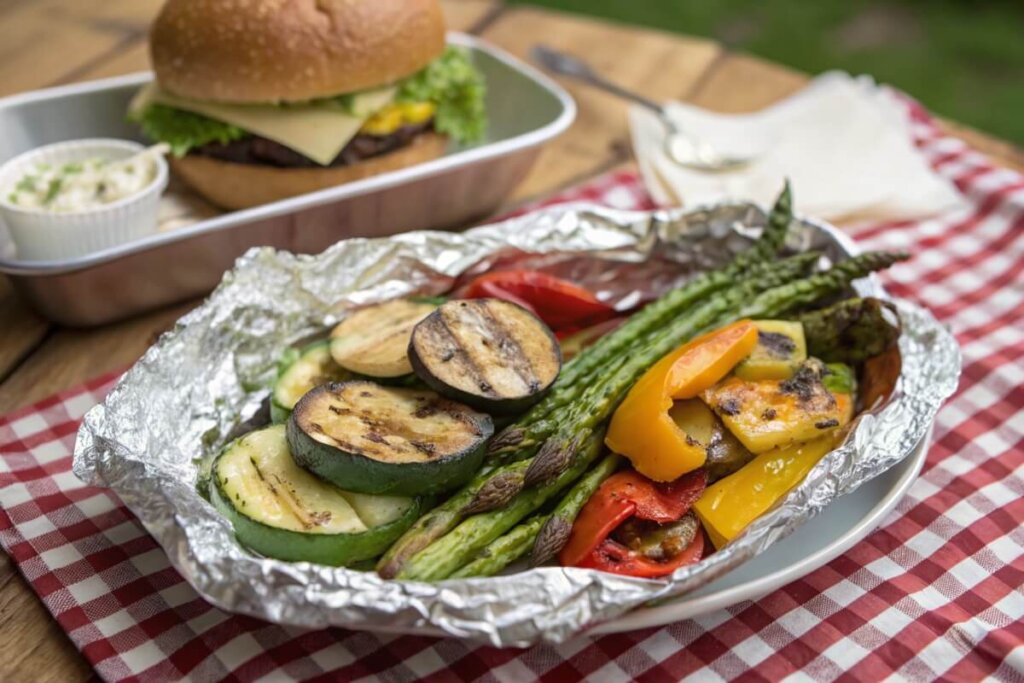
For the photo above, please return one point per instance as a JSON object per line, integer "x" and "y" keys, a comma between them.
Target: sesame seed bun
{"x": 250, "y": 51}
{"x": 240, "y": 186}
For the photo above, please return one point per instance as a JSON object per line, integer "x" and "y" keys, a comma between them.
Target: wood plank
{"x": 466, "y": 15}
{"x": 659, "y": 65}
{"x": 70, "y": 357}
{"x": 741, "y": 83}
{"x": 23, "y": 329}
{"x": 42, "y": 41}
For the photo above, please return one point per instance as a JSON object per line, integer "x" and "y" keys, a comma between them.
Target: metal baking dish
{"x": 526, "y": 109}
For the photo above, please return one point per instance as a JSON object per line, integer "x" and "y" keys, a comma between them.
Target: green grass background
{"x": 963, "y": 59}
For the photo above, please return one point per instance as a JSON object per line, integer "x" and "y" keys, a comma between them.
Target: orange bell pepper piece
{"x": 641, "y": 428}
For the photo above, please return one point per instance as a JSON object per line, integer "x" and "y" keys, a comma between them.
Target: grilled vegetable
{"x": 769, "y": 413}
{"x": 282, "y": 511}
{"x": 879, "y": 377}
{"x": 780, "y": 350}
{"x": 725, "y": 453}
{"x": 373, "y": 439}
{"x": 299, "y": 372}
{"x": 851, "y": 331}
{"x": 504, "y": 550}
{"x": 439, "y": 521}
{"x": 553, "y": 536}
{"x": 637, "y": 527}
{"x": 448, "y": 554}
{"x": 779, "y": 294}
{"x": 373, "y": 341}
{"x": 641, "y": 428}
{"x": 728, "y": 506}
{"x": 490, "y": 354}
{"x": 559, "y": 303}
{"x": 838, "y": 378}
{"x": 616, "y": 558}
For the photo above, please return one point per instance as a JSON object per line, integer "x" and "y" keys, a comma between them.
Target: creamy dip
{"x": 83, "y": 185}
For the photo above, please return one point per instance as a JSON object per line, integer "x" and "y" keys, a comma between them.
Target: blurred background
{"x": 964, "y": 59}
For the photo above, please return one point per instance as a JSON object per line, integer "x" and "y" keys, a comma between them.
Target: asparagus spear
{"x": 553, "y": 536}
{"x": 504, "y": 550}
{"x": 453, "y": 551}
{"x": 851, "y": 331}
{"x": 543, "y": 534}
{"x": 654, "y": 316}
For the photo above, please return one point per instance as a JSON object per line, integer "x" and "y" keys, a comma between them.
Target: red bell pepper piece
{"x": 557, "y": 302}
{"x": 624, "y": 495}
{"x": 616, "y": 558}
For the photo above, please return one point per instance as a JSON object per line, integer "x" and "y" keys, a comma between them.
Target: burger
{"x": 259, "y": 100}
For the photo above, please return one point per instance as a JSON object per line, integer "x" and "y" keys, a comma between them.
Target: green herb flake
{"x": 52, "y": 190}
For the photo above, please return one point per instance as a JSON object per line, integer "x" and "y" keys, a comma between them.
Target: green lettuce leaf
{"x": 183, "y": 130}
{"x": 456, "y": 88}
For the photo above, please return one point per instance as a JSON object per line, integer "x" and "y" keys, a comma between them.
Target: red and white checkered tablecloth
{"x": 936, "y": 592}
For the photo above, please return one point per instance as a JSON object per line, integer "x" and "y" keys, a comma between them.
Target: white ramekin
{"x": 43, "y": 236}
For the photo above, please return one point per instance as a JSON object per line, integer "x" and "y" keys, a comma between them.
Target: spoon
{"x": 681, "y": 147}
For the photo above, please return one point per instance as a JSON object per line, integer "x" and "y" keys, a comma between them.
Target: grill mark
{"x": 512, "y": 351}
{"x": 290, "y": 504}
{"x": 470, "y": 315}
{"x": 465, "y": 363}
{"x": 372, "y": 428}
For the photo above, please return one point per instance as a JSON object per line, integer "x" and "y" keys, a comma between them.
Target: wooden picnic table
{"x": 51, "y": 42}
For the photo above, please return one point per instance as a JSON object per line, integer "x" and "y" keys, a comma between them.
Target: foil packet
{"x": 207, "y": 376}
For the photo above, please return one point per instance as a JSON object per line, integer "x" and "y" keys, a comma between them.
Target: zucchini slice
{"x": 375, "y": 439}
{"x": 281, "y": 511}
{"x": 491, "y": 354}
{"x": 373, "y": 341}
{"x": 307, "y": 368}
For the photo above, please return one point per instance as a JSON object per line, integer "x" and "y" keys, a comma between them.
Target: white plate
{"x": 843, "y": 523}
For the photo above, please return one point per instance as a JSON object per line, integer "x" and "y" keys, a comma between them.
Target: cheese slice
{"x": 318, "y": 131}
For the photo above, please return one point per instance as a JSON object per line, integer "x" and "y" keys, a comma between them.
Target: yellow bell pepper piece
{"x": 730, "y": 504}
{"x": 642, "y": 429}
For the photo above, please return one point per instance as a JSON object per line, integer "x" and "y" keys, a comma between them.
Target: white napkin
{"x": 845, "y": 144}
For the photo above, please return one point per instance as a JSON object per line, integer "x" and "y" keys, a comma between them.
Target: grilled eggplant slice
{"x": 490, "y": 354}
{"x": 375, "y": 439}
{"x": 301, "y": 371}
{"x": 282, "y": 511}
{"x": 374, "y": 341}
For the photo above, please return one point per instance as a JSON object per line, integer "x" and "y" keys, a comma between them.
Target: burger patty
{"x": 259, "y": 150}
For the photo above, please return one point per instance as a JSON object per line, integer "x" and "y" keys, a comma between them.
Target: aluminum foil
{"x": 189, "y": 393}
